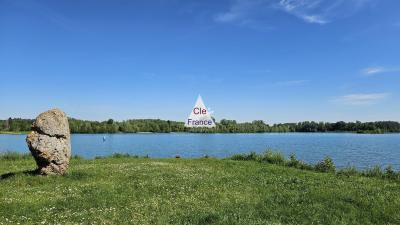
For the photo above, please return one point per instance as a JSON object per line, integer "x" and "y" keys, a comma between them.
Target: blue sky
{"x": 275, "y": 60}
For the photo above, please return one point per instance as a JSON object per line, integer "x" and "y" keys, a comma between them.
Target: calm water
{"x": 358, "y": 150}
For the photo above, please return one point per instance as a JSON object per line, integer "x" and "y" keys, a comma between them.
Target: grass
{"x": 325, "y": 166}
{"x": 135, "y": 190}
{"x": 14, "y": 156}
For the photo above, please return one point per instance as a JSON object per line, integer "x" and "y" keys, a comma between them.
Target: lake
{"x": 359, "y": 150}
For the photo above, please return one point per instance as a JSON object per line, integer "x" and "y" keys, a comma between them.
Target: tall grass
{"x": 272, "y": 157}
{"x": 14, "y": 155}
{"x": 324, "y": 166}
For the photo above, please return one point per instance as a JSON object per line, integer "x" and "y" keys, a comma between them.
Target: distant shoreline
{"x": 186, "y": 132}
{"x": 16, "y": 126}
{"x": 14, "y": 133}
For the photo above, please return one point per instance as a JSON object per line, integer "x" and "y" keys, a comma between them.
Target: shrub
{"x": 293, "y": 161}
{"x": 123, "y": 155}
{"x": 120, "y": 155}
{"x": 374, "y": 172}
{"x": 326, "y": 165}
{"x": 390, "y": 173}
{"x": 305, "y": 166}
{"x": 252, "y": 156}
{"x": 273, "y": 157}
{"x": 348, "y": 171}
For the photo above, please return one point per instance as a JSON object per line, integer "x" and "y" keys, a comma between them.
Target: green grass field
{"x": 131, "y": 190}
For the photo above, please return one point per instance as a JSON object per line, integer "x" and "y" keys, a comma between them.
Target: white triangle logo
{"x": 200, "y": 116}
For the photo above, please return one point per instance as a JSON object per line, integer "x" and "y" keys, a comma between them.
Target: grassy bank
{"x": 325, "y": 166}
{"x": 128, "y": 190}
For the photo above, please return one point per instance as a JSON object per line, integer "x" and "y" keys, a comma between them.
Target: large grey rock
{"x": 50, "y": 142}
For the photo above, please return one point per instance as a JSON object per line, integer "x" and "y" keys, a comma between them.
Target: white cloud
{"x": 370, "y": 71}
{"x": 239, "y": 11}
{"x": 303, "y": 9}
{"x": 362, "y": 99}
{"x": 310, "y": 11}
{"x": 373, "y": 70}
{"x": 314, "y": 19}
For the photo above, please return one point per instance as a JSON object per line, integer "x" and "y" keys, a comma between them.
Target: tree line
{"x": 224, "y": 126}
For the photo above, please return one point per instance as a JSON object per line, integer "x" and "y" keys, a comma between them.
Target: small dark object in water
{"x": 177, "y": 157}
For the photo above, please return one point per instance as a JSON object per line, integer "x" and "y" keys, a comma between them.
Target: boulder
{"x": 50, "y": 142}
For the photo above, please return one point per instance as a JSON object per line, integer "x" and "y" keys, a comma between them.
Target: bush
{"x": 123, "y": 155}
{"x": 252, "y": 156}
{"x": 273, "y": 157}
{"x": 305, "y": 166}
{"x": 348, "y": 171}
{"x": 390, "y": 173}
{"x": 293, "y": 161}
{"x": 374, "y": 172}
{"x": 326, "y": 166}
{"x": 120, "y": 155}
